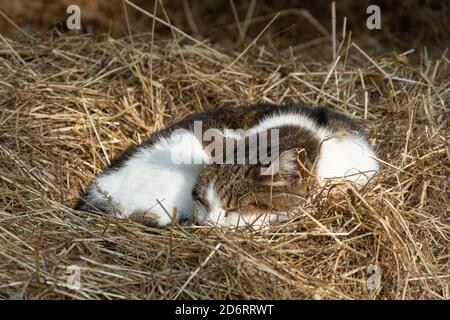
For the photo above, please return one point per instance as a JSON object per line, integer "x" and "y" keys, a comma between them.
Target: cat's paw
{"x": 236, "y": 220}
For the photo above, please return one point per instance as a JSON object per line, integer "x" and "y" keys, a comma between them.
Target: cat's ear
{"x": 289, "y": 168}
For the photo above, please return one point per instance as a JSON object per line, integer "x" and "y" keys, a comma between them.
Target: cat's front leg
{"x": 149, "y": 218}
{"x": 254, "y": 221}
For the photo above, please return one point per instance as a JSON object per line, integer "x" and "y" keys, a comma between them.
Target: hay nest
{"x": 70, "y": 104}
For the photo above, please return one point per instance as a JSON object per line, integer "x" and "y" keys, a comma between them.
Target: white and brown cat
{"x": 314, "y": 145}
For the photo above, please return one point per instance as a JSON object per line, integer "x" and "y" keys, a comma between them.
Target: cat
{"x": 176, "y": 176}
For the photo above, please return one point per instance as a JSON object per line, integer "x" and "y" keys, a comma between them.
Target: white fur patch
{"x": 254, "y": 221}
{"x": 290, "y": 119}
{"x": 216, "y": 214}
{"x": 347, "y": 157}
{"x": 151, "y": 175}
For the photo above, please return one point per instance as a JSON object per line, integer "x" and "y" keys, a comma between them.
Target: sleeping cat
{"x": 313, "y": 145}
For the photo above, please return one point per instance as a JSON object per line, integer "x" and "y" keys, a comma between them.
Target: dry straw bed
{"x": 70, "y": 104}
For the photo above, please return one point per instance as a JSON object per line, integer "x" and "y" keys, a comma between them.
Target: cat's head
{"x": 249, "y": 189}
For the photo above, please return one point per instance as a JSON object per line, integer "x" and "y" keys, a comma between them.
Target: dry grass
{"x": 70, "y": 104}
{"x": 405, "y": 23}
